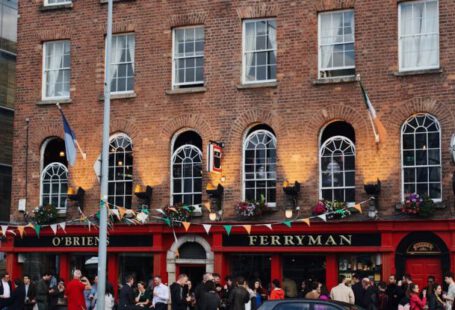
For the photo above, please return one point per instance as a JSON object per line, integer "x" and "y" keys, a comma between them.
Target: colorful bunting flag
{"x": 228, "y": 229}
{"x": 269, "y": 226}
{"x": 62, "y": 226}
{"x": 247, "y": 228}
{"x": 288, "y": 223}
{"x": 37, "y": 230}
{"x": 358, "y": 207}
{"x": 167, "y": 221}
{"x": 306, "y": 221}
{"x": 4, "y": 229}
{"x": 54, "y": 228}
{"x": 186, "y": 225}
{"x": 207, "y": 228}
{"x": 121, "y": 212}
{"x": 21, "y": 230}
{"x": 323, "y": 217}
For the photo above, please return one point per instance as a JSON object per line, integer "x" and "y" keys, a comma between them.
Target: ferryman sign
{"x": 302, "y": 240}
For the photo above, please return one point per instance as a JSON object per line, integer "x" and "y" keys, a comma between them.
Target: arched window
{"x": 186, "y": 178}
{"x": 259, "y": 172}
{"x": 120, "y": 182}
{"x": 421, "y": 156}
{"x": 337, "y": 163}
{"x": 54, "y": 174}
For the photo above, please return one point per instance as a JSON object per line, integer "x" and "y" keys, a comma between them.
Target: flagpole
{"x": 102, "y": 245}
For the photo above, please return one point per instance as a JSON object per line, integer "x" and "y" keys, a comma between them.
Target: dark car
{"x": 307, "y": 304}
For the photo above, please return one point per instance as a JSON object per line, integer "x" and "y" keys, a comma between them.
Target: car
{"x": 307, "y": 304}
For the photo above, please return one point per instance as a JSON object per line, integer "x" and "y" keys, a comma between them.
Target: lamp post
{"x": 102, "y": 245}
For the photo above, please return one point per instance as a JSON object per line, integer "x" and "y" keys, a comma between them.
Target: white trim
{"x": 60, "y": 194}
{"x": 320, "y": 69}
{"x": 321, "y": 148}
{"x": 243, "y": 77}
{"x": 246, "y": 139}
{"x": 6, "y": 165}
{"x": 46, "y": 3}
{"x": 400, "y": 68}
{"x": 6, "y": 108}
{"x": 415, "y": 166}
{"x": 175, "y": 84}
{"x": 43, "y": 73}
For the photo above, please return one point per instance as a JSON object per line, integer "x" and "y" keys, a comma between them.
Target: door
{"x": 194, "y": 273}
{"x": 421, "y": 268}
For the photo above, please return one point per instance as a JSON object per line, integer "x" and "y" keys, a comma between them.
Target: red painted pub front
{"x": 320, "y": 252}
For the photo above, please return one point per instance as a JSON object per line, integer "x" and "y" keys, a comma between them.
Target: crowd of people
{"x": 236, "y": 294}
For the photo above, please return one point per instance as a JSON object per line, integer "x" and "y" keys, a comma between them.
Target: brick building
{"x": 275, "y": 81}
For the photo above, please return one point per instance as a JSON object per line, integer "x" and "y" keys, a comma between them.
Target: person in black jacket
{"x": 393, "y": 292}
{"x": 17, "y": 297}
{"x": 6, "y": 289}
{"x": 212, "y": 300}
{"x": 126, "y": 296}
{"x": 178, "y": 293}
{"x": 370, "y": 297}
{"x": 239, "y": 296}
{"x": 358, "y": 289}
{"x": 30, "y": 293}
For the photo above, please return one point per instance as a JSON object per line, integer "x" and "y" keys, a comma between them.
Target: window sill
{"x": 54, "y": 101}
{"x": 190, "y": 90}
{"x": 119, "y": 96}
{"x": 105, "y": 1}
{"x": 335, "y": 80}
{"x": 63, "y": 6}
{"x": 418, "y": 72}
{"x": 258, "y": 85}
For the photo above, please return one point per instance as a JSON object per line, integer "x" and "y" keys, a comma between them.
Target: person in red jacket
{"x": 75, "y": 292}
{"x": 277, "y": 292}
{"x": 414, "y": 300}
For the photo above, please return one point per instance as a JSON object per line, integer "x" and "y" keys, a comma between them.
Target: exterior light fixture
{"x": 292, "y": 191}
{"x": 76, "y": 196}
{"x": 288, "y": 213}
{"x": 216, "y": 199}
{"x": 61, "y": 154}
{"x": 145, "y": 196}
{"x": 212, "y": 216}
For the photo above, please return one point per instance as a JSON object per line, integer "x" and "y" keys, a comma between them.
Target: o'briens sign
{"x": 69, "y": 241}
{"x": 303, "y": 240}
{"x": 82, "y": 241}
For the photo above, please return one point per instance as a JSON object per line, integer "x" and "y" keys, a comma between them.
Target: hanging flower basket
{"x": 333, "y": 209}
{"x": 251, "y": 209}
{"x": 414, "y": 204}
{"x": 46, "y": 214}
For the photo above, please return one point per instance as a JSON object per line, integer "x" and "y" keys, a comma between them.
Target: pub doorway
{"x": 251, "y": 267}
{"x": 194, "y": 273}
{"x": 299, "y": 268}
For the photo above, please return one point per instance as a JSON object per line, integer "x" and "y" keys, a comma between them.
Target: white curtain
{"x": 420, "y": 41}
{"x": 56, "y": 52}
{"x": 250, "y": 46}
{"x": 272, "y": 36}
{"x": 131, "y": 46}
{"x": 118, "y": 45}
{"x": 330, "y": 27}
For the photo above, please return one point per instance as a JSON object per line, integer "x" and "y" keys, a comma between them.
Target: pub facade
{"x": 307, "y": 138}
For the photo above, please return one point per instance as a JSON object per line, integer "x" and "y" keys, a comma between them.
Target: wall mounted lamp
{"x": 144, "y": 195}
{"x": 216, "y": 205}
{"x": 373, "y": 190}
{"x": 292, "y": 191}
{"x": 77, "y": 196}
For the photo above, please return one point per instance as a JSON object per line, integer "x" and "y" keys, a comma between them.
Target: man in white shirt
{"x": 5, "y": 290}
{"x": 30, "y": 293}
{"x": 342, "y": 292}
{"x": 160, "y": 294}
{"x": 450, "y": 297}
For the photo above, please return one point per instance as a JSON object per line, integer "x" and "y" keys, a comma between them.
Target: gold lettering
{"x": 89, "y": 241}
{"x": 275, "y": 240}
{"x": 347, "y": 238}
{"x": 288, "y": 240}
{"x": 56, "y": 241}
{"x": 264, "y": 240}
{"x": 330, "y": 240}
{"x": 253, "y": 239}
{"x": 300, "y": 239}
{"x": 76, "y": 241}
{"x": 68, "y": 241}
{"x": 314, "y": 240}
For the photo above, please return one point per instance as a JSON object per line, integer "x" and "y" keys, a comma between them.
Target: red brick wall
{"x": 296, "y": 109}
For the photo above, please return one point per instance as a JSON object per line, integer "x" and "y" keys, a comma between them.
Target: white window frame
{"x": 344, "y": 187}
{"x": 43, "y": 73}
{"x": 403, "y": 194}
{"x": 400, "y": 65}
{"x": 61, "y": 195}
{"x": 173, "y": 157}
{"x": 124, "y": 180}
{"x": 175, "y": 84}
{"x": 244, "y": 180}
{"x": 133, "y": 34}
{"x": 320, "y": 69}
{"x": 46, "y": 3}
{"x": 244, "y": 80}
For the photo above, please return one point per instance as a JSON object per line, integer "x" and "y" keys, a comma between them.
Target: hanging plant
{"x": 333, "y": 209}
{"x": 414, "y": 204}
{"x": 178, "y": 213}
{"x": 46, "y": 214}
{"x": 251, "y": 209}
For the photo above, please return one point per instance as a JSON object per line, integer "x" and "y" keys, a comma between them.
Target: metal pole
{"x": 102, "y": 245}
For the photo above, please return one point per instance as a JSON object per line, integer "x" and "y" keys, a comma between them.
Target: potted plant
{"x": 414, "y": 204}
{"x": 251, "y": 209}
{"x": 46, "y": 214}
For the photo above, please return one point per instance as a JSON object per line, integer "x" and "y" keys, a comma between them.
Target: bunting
{"x": 186, "y": 225}
{"x": 247, "y": 228}
{"x": 228, "y": 229}
{"x": 21, "y": 230}
{"x": 4, "y": 229}
{"x": 54, "y": 228}
{"x": 287, "y": 223}
{"x": 207, "y": 228}
{"x": 37, "y": 230}
{"x": 322, "y": 217}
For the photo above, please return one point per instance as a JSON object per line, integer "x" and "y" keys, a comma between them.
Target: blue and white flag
{"x": 70, "y": 141}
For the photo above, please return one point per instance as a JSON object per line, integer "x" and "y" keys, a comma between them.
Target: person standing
{"x": 160, "y": 294}
{"x": 260, "y": 293}
{"x": 315, "y": 291}
{"x": 178, "y": 299}
{"x": 143, "y": 296}
{"x": 201, "y": 289}
{"x": 450, "y": 297}
{"x": 393, "y": 293}
{"x": 342, "y": 292}
{"x": 289, "y": 287}
{"x": 30, "y": 293}
{"x": 5, "y": 290}
{"x": 277, "y": 292}
{"x": 43, "y": 291}
{"x": 383, "y": 298}
{"x": 239, "y": 296}
{"x": 435, "y": 300}
{"x": 17, "y": 300}
{"x": 212, "y": 300}
{"x": 414, "y": 300}
{"x": 227, "y": 289}
{"x": 126, "y": 295}
{"x": 369, "y": 300}
{"x": 109, "y": 299}
{"x": 75, "y": 291}
{"x": 358, "y": 289}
